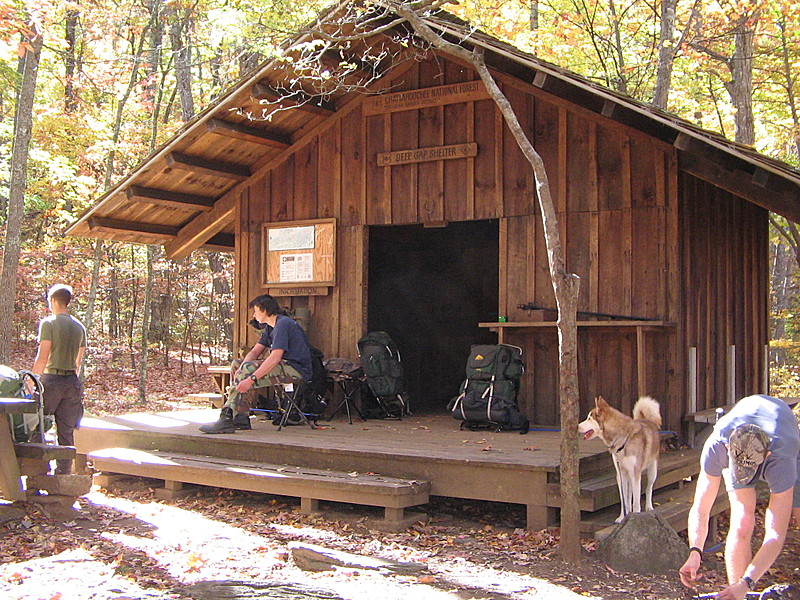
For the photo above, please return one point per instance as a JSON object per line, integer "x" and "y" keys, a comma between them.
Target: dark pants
{"x": 63, "y": 398}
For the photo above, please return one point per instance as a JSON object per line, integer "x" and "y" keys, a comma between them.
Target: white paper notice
{"x": 297, "y": 267}
{"x": 291, "y": 238}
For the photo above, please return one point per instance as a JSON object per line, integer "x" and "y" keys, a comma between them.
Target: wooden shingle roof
{"x": 184, "y": 195}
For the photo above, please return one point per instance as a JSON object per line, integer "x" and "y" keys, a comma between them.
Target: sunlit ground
{"x": 194, "y": 548}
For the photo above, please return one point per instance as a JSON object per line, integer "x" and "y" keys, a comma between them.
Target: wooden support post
{"x": 172, "y": 490}
{"x": 309, "y": 506}
{"x": 731, "y": 391}
{"x": 692, "y": 394}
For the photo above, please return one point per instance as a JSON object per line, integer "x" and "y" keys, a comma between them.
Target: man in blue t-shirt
{"x": 288, "y": 361}
{"x": 758, "y": 440}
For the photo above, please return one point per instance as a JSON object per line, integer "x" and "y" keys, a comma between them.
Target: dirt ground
{"x": 124, "y": 544}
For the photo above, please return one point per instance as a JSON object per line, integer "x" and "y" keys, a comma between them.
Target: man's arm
{"x": 79, "y": 358}
{"x": 42, "y": 355}
{"x": 275, "y": 356}
{"x": 697, "y": 528}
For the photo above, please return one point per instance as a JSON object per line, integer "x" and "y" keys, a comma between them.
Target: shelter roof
{"x": 184, "y": 195}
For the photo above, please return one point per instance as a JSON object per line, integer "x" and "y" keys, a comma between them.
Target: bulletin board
{"x": 299, "y": 254}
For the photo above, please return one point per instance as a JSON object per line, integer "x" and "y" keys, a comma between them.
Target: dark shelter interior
{"x": 429, "y": 287}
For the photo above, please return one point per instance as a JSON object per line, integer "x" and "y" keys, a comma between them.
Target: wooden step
{"x": 310, "y": 485}
{"x": 601, "y": 490}
{"x": 43, "y": 451}
{"x": 672, "y": 503}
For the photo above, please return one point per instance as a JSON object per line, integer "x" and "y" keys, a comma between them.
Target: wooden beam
{"x": 608, "y": 108}
{"x": 136, "y": 193}
{"x": 783, "y": 199}
{"x": 292, "y": 99}
{"x": 221, "y": 242}
{"x": 215, "y": 168}
{"x": 103, "y": 224}
{"x": 248, "y": 134}
{"x": 203, "y": 227}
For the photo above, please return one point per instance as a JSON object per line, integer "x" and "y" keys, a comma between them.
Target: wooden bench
{"x": 213, "y": 399}
{"x": 310, "y": 485}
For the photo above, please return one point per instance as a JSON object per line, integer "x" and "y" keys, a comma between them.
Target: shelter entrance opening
{"x": 429, "y": 287}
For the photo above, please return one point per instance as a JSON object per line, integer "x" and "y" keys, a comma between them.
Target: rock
{"x": 316, "y": 558}
{"x": 64, "y": 485}
{"x": 9, "y": 512}
{"x": 643, "y": 543}
{"x": 266, "y": 590}
{"x": 56, "y": 506}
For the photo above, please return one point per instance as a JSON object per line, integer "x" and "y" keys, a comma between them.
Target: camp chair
{"x": 289, "y": 396}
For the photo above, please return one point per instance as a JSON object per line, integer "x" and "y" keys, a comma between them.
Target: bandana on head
{"x": 747, "y": 449}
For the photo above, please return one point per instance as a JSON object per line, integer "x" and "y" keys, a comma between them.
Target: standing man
{"x": 62, "y": 341}
{"x": 757, "y": 440}
{"x": 289, "y": 360}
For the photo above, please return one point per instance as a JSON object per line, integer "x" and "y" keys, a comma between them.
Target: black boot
{"x": 242, "y": 421}
{"x": 225, "y": 423}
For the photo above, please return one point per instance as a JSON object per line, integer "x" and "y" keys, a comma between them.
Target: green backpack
{"x": 12, "y": 385}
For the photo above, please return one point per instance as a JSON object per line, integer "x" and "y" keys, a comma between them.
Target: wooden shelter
{"x": 407, "y": 206}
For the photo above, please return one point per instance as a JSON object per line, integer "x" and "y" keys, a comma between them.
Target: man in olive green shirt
{"x": 62, "y": 341}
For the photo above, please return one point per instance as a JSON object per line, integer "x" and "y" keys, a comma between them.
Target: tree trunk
{"x": 666, "y": 54}
{"x": 222, "y": 290}
{"x": 740, "y": 87}
{"x": 148, "y": 288}
{"x": 788, "y": 72}
{"x": 182, "y": 52}
{"x": 23, "y": 125}
{"x": 70, "y": 60}
{"x": 88, "y": 317}
{"x": 534, "y": 20}
{"x": 620, "y": 81}
{"x": 565, "y": 287}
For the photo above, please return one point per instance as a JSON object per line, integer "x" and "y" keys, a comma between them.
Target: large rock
{"x": 643, "y": 543}
{"x": 310, "y": 557}
{"x": 64, "y": 485}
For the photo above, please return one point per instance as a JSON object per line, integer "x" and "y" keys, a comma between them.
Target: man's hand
{"x": 244, "y": 385}
{"x": 689, "y": 570}
{"x": 736, "y": 591}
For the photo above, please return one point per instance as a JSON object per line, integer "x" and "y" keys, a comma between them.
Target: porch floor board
{"x": 478, "y": 465}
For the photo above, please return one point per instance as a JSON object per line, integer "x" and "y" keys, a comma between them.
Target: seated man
{"x": 288, "y": 361}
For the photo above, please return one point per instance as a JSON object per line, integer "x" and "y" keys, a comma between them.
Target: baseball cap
{"x": 748, "y": 447}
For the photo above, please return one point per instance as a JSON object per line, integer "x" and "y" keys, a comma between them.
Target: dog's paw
{"x": 620, "y": 519}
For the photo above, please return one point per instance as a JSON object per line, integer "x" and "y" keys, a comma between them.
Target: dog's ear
{"x": 600, "y": 403}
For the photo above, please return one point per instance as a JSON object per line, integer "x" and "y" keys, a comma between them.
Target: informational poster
{"x": 299, "y": 257}
{"x": 296, "y": 267}
{"x": 291, "y": 238}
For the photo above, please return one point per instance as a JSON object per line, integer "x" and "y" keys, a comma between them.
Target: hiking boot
{"x": 242, "y": 421}
{"x": 225, "y": 424}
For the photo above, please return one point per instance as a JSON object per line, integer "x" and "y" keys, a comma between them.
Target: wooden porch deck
{"x": 480, "y": 465}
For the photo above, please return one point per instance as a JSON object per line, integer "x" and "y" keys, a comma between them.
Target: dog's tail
{"x": 648, "y": 409}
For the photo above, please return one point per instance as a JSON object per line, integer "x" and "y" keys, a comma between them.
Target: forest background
{"x": 89, "y": 89}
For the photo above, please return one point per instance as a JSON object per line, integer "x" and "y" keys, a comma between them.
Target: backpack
{"x": 12, "y": 385}
{"x": 488, "y": 397}
{"x": 314, "y": 399}
{"x": 383, "y": 370}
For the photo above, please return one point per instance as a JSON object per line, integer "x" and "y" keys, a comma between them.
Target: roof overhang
{"x": 186, "y": 193}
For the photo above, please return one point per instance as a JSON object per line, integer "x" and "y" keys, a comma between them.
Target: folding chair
{"x": 349, "y": 386}
{"x": 288, "y": 393}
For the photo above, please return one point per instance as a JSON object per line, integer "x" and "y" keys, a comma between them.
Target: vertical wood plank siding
{"x": 645, "y": 241}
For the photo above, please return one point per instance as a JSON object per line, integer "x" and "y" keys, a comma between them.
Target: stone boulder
{"x": 643, "y": 543}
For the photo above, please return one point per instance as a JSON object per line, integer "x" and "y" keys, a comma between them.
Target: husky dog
{"x": 633, "y": 443}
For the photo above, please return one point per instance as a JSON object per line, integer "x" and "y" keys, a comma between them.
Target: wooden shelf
{"x": 545, "y": 324}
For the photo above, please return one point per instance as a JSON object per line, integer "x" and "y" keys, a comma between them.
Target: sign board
{"x": 299, "y": 256}
{"x": 416, "y": 155}
{"x": 467, "y": 91}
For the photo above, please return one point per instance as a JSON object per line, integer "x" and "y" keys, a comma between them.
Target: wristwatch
{"x": 253, "y": 377}
{"x": 750, "y": 583}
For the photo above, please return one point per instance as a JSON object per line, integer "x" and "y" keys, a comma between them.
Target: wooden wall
{"x": 725, "y": 245}
{"x": 617, "y": 196}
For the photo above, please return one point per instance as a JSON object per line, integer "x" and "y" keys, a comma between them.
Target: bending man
{"x": 289, "y": 360}
{"x": 757, "y": 440}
